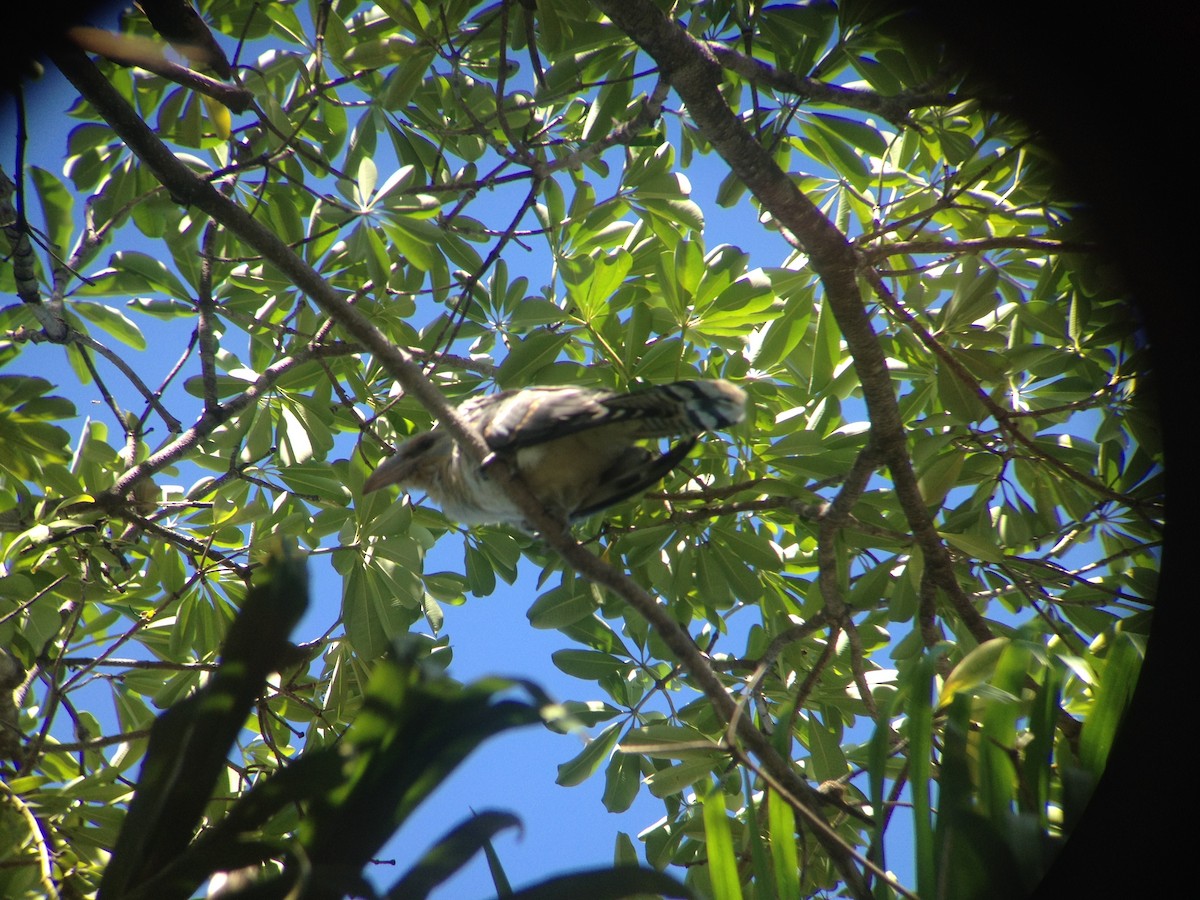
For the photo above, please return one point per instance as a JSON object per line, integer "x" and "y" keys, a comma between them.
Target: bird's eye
{"x": 420, "y": 444}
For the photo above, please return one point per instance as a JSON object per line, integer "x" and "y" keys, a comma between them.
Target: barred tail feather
{"x": 682, "y": 407}
{"x": 710, "y": 405}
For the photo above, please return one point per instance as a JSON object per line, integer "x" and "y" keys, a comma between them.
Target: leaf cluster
{"x": 953, "y": 437}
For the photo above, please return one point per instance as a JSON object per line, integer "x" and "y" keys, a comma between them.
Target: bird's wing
{"x": 637, "y": 471}
{"x": 511, "y": 420}
{"x": 526, "y": 418}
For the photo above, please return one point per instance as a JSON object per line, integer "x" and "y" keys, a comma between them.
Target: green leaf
{"x": 587, "y": 664}
{"x": 591, "y": 712}
{"x": 410, "y": 734}
{"x": 974, "y": 669}
{"x": 939, "y": 477}
{"x": 481, "y": 577}
{"x": 784, "y": 858}
{"x": 668, "y": 781}
{"x": 722, "y": 864}
{"x": 622, "y": 780}
{"x": 151, "y": 272}
{"x": 973, "y": 298}
{"x": 382, "y": 600}
{"x": 669, "y": 742}
{"x": 591, "y": 282}
{"x": 1118, "y": 680}
{"x": 113, "y": 321}
{"x": 417, "y": 241}
{"x": 977, "y": 546}
{"x": 754, "y": 832}
{"x": 594, "y": 632}
{"x": 316, "y": 479}
{"x": 604, "y": 884}
{"x": 827, "y": 761}
{"x": 920, "y": 722}
{"x": 189, "y": 743}
{"x": 585, "y": 764}
{"x": 163, "y": 309}
{"x": 561, "y": 606}
{"x": 56, "y": 203}
{"x": 858, "y": 134}
{"x": 451, "y": 853}
{"x": 529, "y": 356}
{"x": 958, "y": 397}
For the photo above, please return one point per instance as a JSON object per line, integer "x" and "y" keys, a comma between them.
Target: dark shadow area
{"x": 1103, "y": 87}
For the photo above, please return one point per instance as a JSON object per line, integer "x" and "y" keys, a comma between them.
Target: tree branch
{"x": 145, "y": 53}
{"x": 895, "y": 108}
{"x": 695, "y": 75}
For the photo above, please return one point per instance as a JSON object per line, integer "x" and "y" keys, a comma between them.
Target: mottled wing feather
{"x": 534, "y": 416}
{"x": 682, "y": 407}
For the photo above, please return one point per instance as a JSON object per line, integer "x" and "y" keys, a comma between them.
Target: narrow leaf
{"x": 722, "y": 864}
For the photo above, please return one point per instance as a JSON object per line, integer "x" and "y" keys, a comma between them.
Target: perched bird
{"x": 576, "y": 448}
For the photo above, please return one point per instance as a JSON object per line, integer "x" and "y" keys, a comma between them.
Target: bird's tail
{"x": 682, "y": 407}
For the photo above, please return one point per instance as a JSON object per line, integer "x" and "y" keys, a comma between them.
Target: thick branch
{"x": 833, "y": 520}
{"x": 696, "y": 76}
{"x": 127, "y": 50}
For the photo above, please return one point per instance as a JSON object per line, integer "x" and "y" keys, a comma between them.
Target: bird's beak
{"x": 393, "y": 470}
{"x": 415, "y": 463}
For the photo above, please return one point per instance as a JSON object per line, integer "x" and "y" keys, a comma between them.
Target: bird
{"x": 576, "y": 448}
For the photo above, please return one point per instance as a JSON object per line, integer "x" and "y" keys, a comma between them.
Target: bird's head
{"x": 417, "y": 463}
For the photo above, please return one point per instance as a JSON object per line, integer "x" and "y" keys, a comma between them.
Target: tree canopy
{"x": 910, "y": 594}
